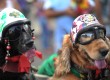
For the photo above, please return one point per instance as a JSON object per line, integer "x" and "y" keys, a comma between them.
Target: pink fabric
{"x": 17, "y": 64}
{"x": 21, "y": 63}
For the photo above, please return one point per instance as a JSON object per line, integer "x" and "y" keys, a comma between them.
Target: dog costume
{"x": 84, "y": 26}
{"x": 17, "y": 48}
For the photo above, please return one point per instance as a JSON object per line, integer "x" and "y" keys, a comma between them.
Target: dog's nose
{"x": 104, "y": 52}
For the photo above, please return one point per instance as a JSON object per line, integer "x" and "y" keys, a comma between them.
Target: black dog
{"x": 16, "y": 45}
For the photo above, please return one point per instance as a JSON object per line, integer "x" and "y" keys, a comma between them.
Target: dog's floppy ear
{"x": 108, "y": 42}
{"x": 63, "y": 60}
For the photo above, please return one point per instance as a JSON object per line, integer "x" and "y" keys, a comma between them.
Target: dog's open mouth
{"x": 100, "y": 64}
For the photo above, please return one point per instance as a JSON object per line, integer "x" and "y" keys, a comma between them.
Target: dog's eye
{"x": 101, "y": 33}
{"x": 85, "y": 37}
{"x": 13, "y": 32}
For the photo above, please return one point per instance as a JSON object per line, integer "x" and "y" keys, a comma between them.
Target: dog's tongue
{"x": 32, "y": 52}
{"x": 100, "y": 64}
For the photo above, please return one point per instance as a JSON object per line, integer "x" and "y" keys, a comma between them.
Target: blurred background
{"x": 52, "y": 19}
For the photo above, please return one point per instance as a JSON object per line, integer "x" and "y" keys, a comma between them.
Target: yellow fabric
{"x": 83, "y": 5}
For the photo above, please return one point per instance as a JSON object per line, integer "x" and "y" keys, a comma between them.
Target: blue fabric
{"x": 46, "y": 33}
{"x": 23, "y": 4}
{"x": 63, "y": 23}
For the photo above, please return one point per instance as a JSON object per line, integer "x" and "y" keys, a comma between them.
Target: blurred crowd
{"x": 53, "y": 18}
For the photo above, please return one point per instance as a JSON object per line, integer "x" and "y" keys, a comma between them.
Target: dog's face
{"x": 97, "y": 49}
{"x": 19, "y": 37}
{"x": 94, "y": 43}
